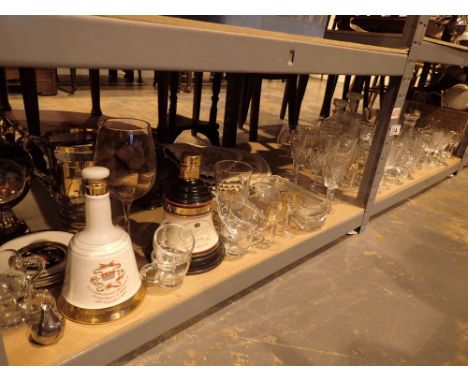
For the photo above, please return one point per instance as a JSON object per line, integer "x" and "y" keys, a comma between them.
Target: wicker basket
{"x": 450, "y": 119}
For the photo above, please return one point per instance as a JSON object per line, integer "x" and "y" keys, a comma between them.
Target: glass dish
{"x": 312, "y": 210}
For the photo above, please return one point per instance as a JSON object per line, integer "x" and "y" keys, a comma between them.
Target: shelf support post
{"x": 390, "y": 114}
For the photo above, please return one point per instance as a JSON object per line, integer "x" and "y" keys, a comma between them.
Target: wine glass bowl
{"x": 125, "y": 146}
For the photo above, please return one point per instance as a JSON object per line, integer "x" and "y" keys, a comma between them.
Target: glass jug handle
{"x": 45, "y": 178}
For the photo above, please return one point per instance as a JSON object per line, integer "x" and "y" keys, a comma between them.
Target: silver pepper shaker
{"x": 49, "y": 328}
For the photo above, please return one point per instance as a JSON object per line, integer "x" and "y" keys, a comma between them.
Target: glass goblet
{"x": 125, "y": 146}
{"x": 337, "y": 158}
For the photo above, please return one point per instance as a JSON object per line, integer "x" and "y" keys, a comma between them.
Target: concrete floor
{"x": 393, "y": 295}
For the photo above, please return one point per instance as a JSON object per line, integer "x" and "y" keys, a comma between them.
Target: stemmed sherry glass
{"x": 125, "y": 146}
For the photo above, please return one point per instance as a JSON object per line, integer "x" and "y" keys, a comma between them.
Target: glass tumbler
{"x": 240, "y": 228}
{"x": 172, "y": 252}
{"x": 232, "y": 183}
{"x": 19, "y": 301}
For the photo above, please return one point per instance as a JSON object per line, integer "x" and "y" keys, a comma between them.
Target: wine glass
{"x": 125, "y": 146}
{"x": 338, "y": 155}
{"x": 298, "y": 144}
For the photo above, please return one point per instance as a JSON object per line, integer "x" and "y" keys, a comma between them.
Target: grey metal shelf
{"x": 441, "y": 52}
{"x": 164, "y": 43}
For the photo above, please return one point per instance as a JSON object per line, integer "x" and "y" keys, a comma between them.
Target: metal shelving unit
{"x": 422, "y": 49}
{"x": 150, "y": 42}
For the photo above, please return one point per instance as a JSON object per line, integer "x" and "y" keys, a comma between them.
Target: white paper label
{"x": 395, "y": 130}
{"x": 202, "y": 228}
{"x": 396, "y": 113}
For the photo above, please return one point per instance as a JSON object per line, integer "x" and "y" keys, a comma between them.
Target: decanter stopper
{"x": 49, "y": 328}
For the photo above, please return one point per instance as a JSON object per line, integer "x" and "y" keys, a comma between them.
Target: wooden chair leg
{"x": 358, "y": 84}
{"x": 4, "y": 102}
{"x": 284, "y": 103}
{"x": 292, "y": 95}
{"x": 373, "y": 91}
{"x": 255, "y": 107}
{"x": 162, "y": 80}
{"x": 95, "y": 97}
{"x": 328, "y": 97}
{"x": 231, "y": 114}
{"x": 197, "y": 93}
{"x": 381, "y": 91}
{"x": 129, "y": 76}
{"x": 173, "y": 89}
{"x": 346, "y": 84}
{"x": 365, "y": 100}
{"x": 188, "y": 82}
{"x": 424, "y": 74}
{"x": 31, "y": 104}
{"x": 113, "y": 75}
{"x": 246, "y": 97}
{"x": 73, "y": 81}
{"x": 301, "y": 89}
{"x": 216, "y": 89}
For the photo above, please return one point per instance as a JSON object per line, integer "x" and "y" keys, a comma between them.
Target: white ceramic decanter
{"x": 102, "y": 281}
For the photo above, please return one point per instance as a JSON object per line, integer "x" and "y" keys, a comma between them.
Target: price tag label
{"x": 395, "y": 130}
{"x": 396, "y": 113}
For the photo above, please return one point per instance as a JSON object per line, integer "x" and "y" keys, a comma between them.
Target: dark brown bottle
{"x": 188, "y": 202}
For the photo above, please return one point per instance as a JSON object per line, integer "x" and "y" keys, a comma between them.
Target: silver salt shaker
{"x": 48, "y": 329}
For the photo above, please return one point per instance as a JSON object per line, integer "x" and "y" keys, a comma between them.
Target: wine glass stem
{"x": 330, "y": 194}
{"x": 295, "y": 172}
{"x": 126, "y": 210}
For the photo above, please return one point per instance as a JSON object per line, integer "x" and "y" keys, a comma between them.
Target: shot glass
{"x": 172, "y": 252}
